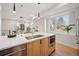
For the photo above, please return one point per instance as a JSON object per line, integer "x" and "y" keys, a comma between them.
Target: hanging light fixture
{"x": 38, "y": 14}
{"x": 14, "y": 8}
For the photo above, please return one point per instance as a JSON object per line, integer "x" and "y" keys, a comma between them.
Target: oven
{"x": 51, "y": 41}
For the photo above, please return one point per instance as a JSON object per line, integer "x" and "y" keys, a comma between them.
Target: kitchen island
{"x": 22, "y": 43}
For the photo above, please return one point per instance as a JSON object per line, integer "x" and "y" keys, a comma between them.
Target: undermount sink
{"x": 34, "y": 36}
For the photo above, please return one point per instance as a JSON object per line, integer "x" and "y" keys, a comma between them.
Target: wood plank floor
{"x": 62, "y": 50}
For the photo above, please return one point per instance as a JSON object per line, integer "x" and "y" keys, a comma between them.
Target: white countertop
{"x": 6, "y": 42}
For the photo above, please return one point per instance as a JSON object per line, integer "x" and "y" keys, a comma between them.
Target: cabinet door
{"x": 29, "y": 49}
{"x": 36, "y": 48}
{"x": 44, "y": 47}
{"x": 33, "y": 48}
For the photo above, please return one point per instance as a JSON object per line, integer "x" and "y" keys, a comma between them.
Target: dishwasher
{"x": 14, "y": 51}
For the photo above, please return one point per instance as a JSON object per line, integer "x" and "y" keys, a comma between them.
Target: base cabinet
{"x": 38, "y": 48}
{"x": 29, "y": 49}
{"x": 44, "y": 47}
{"x": 33, "y": 48}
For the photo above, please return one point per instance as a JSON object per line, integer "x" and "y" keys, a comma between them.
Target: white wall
{"x": 8, "y": 24}
{"x": 0, "y": 20}
{"x": 11, "y": 24}
{"x": 77, "y": 21}
{"x": 67, "y": 39}
{"x": 40, "y": 23}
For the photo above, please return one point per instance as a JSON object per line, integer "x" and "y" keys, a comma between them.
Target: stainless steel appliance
{"x": 52, "y": 41}
{"x": 14, "y": 51}
{"x": 51, "y": 44}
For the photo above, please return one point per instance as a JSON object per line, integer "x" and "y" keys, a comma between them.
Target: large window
{"x": 56, "y": 22}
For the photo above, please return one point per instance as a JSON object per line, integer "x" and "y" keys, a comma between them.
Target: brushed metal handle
{"x": 40, "y": 42}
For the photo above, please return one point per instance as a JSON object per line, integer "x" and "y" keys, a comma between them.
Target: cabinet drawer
{"x": 17, "y": 53}
{"x": 13, "y": 50}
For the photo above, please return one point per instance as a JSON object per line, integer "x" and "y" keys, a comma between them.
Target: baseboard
{"x": 75, "y": 47}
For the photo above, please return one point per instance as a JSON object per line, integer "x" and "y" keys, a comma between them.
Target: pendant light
{"x": 38, "y": 14}
{"x": 14, "y": 8}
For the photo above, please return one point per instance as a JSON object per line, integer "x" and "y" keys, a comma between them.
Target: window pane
{"x": 66, "y": 19}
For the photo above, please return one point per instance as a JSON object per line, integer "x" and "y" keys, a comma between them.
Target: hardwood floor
{"x": 62, "y": 50}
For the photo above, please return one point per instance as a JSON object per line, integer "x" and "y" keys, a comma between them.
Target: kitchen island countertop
{"x": 6, "y": 42}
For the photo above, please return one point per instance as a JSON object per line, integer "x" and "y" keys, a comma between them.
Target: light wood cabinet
{"x": 29, "y": 49}
{"x": 38, "y": 48}
{"x": 33, "y": 48}
{"x": 44, "y": 47}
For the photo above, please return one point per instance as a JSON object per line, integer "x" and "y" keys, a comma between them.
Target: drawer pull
{"x": 15, "y": 52}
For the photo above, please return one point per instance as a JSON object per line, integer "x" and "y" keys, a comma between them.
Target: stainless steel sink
{"x": 34, "y": 36}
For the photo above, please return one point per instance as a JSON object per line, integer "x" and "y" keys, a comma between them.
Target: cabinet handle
{"x": 40, "y": 42}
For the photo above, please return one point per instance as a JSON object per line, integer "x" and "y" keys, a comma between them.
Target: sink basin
{"x": 34, "y": 36}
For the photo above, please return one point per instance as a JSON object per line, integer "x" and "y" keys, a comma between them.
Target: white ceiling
{"x": 28, "y": 10}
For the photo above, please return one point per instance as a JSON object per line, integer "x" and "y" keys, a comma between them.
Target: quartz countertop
{"x": 6, "y": 42}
